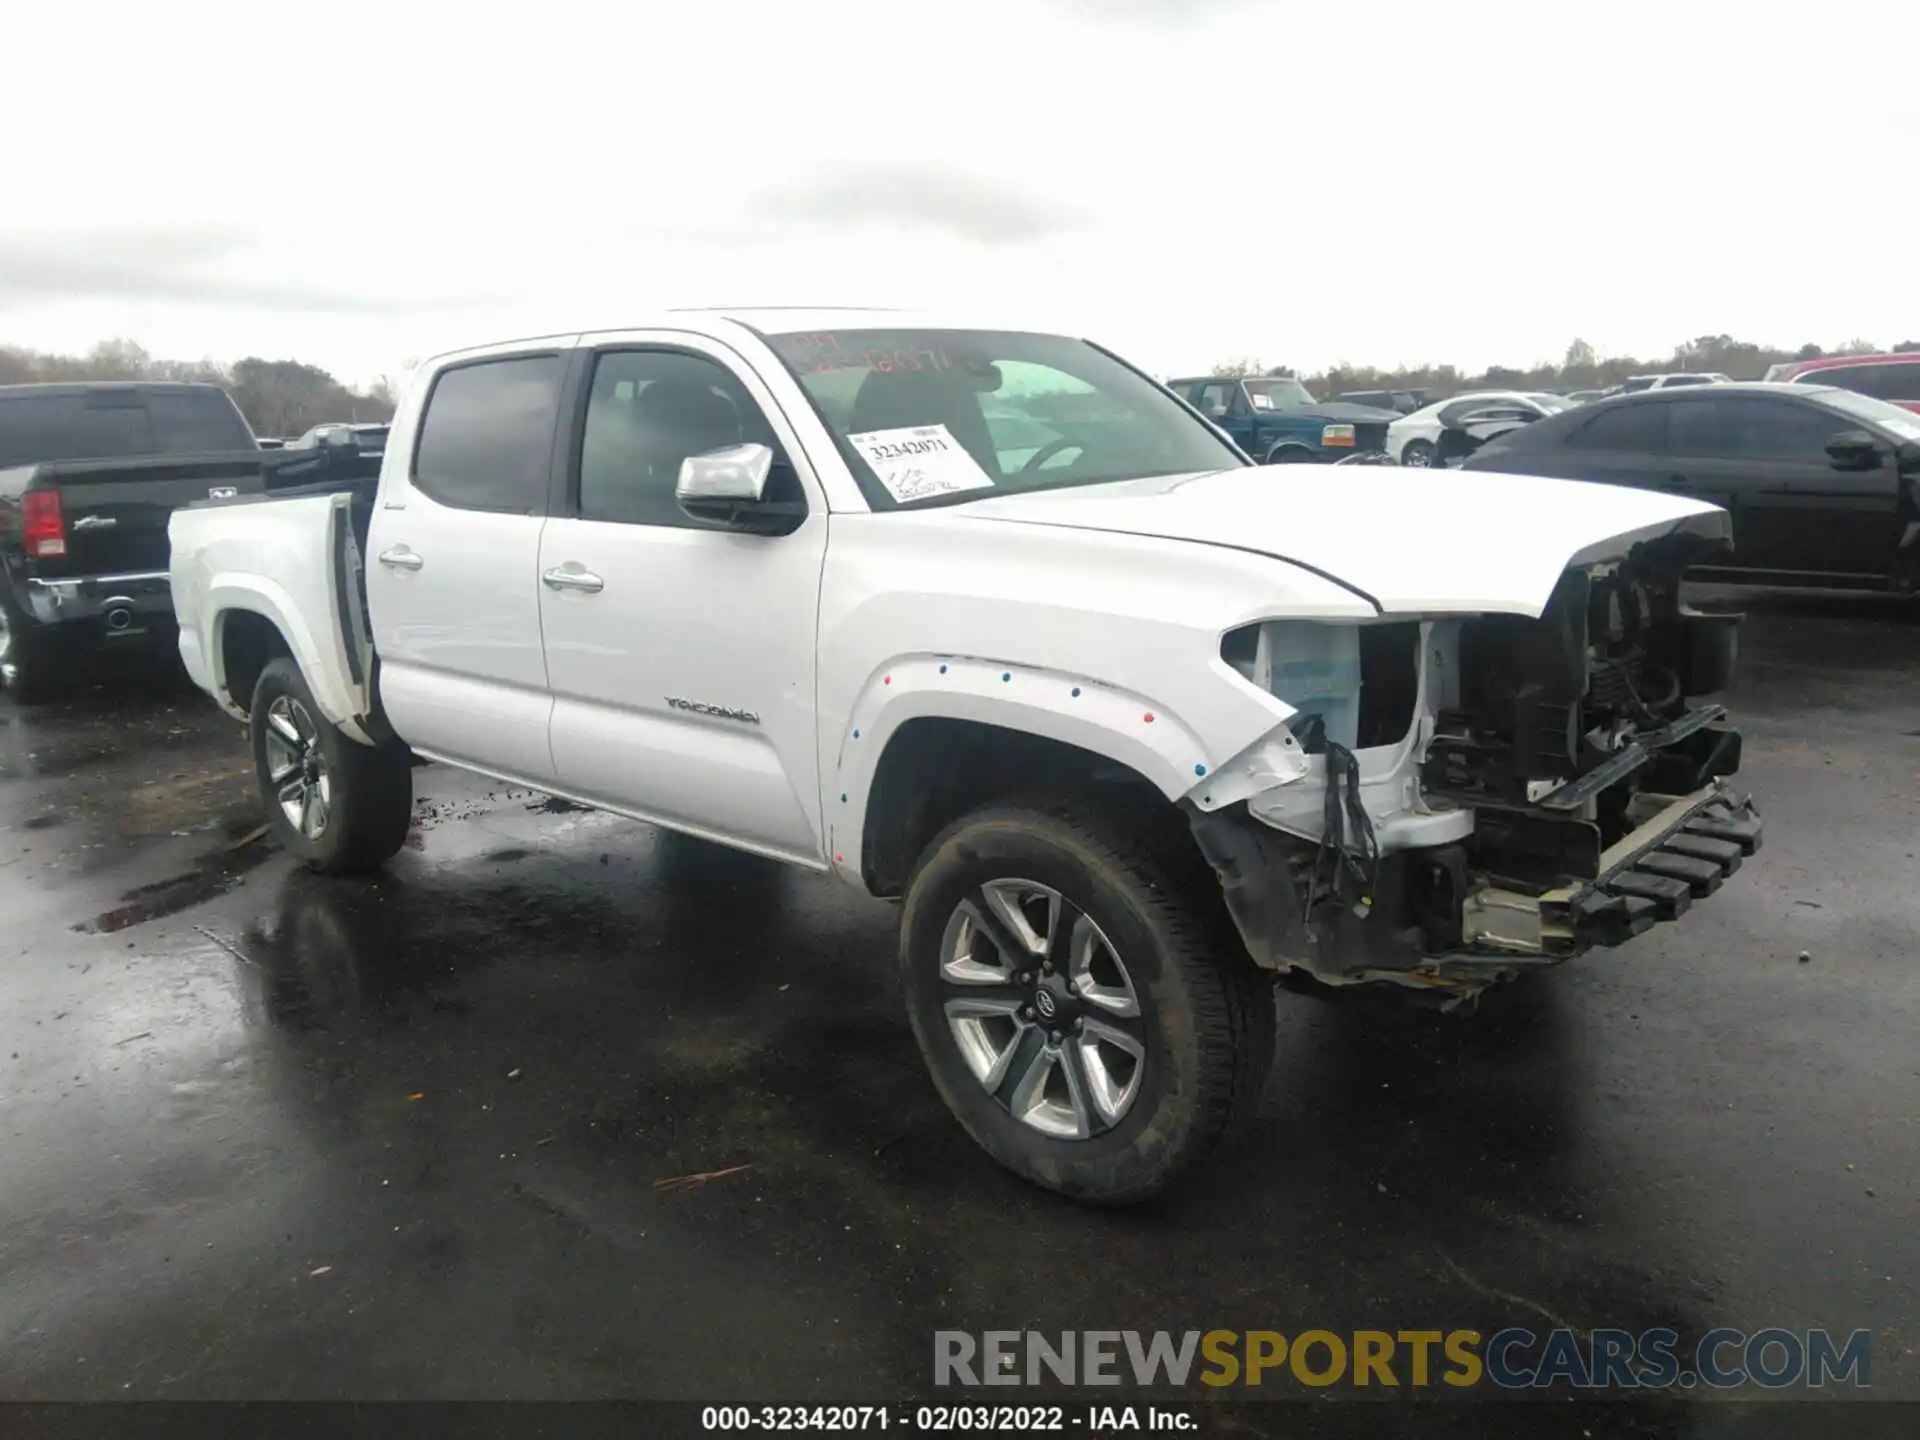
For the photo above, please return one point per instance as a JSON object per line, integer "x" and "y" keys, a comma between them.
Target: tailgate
{"x": 116, "y": 513}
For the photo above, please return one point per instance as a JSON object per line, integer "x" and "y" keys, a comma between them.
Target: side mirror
{"x": 729, "y": 487}
{"x": 1854, "y": 450}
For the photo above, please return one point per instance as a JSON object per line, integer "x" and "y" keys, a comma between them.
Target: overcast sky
{"x": 1187, "y": 180}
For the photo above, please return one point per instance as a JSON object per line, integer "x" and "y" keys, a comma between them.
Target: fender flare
{"x": 1130, "y": 729}
{"x": 323, "y": 670}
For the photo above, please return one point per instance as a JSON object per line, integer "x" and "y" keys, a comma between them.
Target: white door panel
{"x": 455, "y": 600}
{"x": 709, "y": 618}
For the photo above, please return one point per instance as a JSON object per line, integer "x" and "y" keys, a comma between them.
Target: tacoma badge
{"x": 700, "y": 707}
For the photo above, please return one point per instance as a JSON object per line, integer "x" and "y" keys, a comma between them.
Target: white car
{"x": 1636, "y": 383}
{"x": 1414, "y": 440}
{"x": 988, "y": 622}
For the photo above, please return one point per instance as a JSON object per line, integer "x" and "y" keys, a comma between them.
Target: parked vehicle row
{"x": 992, "y": 624}
{"x": 1678, "y": 380}
{"x": 1401, "y": 402}
{"x": 1447, "y": 431}
{"x": 1278, "y": 422}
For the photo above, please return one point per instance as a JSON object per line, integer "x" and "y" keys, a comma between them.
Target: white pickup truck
{"x": 989, "y": 621}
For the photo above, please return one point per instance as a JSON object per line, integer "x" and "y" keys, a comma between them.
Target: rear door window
{"x": 1707, "y": 428}
{"x": 486, "y": 438}
{"x": 1640, "y": 428}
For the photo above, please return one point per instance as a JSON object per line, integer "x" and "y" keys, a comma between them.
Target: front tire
{"x": 341, "y": 807}
{"x": 1290, "y": 455}
{"x": 1083, "y": 1004}
{"x": 1417, "y": 455}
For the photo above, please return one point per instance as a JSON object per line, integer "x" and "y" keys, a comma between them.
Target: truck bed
{"x": 115, "y": 511}
{"x": 294, "y": 559}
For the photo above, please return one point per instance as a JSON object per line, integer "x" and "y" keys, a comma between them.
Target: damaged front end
{"x": 1466, "y": 797}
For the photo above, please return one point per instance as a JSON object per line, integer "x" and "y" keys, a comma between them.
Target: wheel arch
{"x": 254, "y": 621}
{"x": 933, "y": 737}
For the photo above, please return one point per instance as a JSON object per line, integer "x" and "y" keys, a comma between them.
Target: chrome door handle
{"x": 561, "y": 578}
{"x": 400, "y": 558}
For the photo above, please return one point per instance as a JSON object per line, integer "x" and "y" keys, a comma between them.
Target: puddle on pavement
{"x": 213, "y": 875}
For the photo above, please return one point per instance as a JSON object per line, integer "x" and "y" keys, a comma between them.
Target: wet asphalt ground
{"x": 268, "y": 1136}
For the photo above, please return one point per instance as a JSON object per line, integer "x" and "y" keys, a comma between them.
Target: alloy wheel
{"x": 296, "y": 769}
{"x": 1042, "y": 1009}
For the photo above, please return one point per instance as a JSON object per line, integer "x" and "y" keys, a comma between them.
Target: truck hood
{"x": 1410, "y": 541}
{"x": 1340, "y": 412}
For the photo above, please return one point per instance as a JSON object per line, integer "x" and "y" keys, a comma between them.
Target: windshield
{"x": 927, "y": 415}
{"x": 1552, "y": 404}
{"x": 1280, "y": 395}
{"x": 1884, "y": 413}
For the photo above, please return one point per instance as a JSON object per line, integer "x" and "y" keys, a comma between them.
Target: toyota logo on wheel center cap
{"x": 1044, "y": 1002}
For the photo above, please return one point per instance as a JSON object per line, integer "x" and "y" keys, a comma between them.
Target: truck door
{"x": 681, "y": 653}
{"x": 452, "y": 580}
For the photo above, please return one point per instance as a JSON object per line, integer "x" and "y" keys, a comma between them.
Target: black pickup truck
{"x": 89, "y": 474}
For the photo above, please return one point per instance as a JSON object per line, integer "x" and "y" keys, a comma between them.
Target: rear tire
{"x": 341, "y": 807}
{"x": 1175, "y": 1027}
{"x": 26, "y": 657}
{"x": 1417, "y": 454}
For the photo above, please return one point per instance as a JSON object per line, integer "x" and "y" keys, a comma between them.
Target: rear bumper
{"x": 123, "y": 608}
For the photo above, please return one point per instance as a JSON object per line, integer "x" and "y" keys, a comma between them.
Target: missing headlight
{"x": 1356, "y": 685}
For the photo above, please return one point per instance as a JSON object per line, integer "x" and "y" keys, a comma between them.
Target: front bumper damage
{"x": 1550, "y": 790}
{"x": 1435, "y": 925}
{"x": 1680, "y": 852}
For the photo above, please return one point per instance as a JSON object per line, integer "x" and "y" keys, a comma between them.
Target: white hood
{"x": 1412, "y": 541}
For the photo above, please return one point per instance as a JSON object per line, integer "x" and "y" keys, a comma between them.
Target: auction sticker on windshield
{"x": 920, "y": 462}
